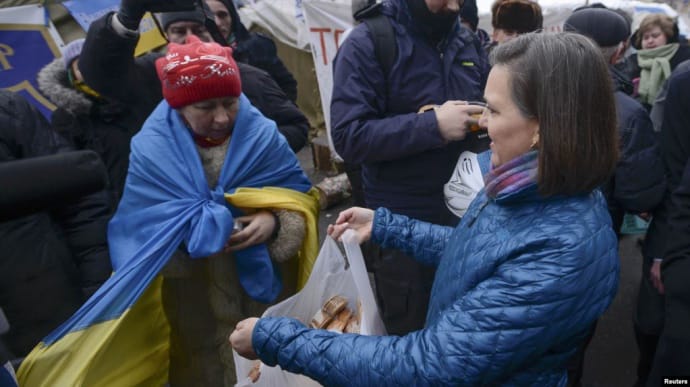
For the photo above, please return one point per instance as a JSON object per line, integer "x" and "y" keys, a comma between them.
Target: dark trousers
{"x": 354, "y": 174}
{"x": 403, "y": 287}
{"x": 577, "y": 362}
{"x": 648, "y": 323}
{"x": 672, "y": 354}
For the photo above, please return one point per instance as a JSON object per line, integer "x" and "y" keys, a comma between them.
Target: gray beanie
{"x": 196, "y": 15}
{"x": 72, "y": 52}
{"x": 605, "y": 26}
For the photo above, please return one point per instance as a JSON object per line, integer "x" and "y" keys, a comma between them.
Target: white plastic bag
{"x": 328, "y": 278}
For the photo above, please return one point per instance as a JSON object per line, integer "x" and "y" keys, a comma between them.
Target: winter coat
{"x": 638, "y": 183}
{"x": 108, "y": 65}
{"x": 374, "y": 120}
{"x": 88, "y": 123}
{"x": 670, "y": 230}
{"x": 519, "y": 283}
{"x": 52, "y": 261}
{"x": 259, "y": 51}
{"x": 675, "y": 152}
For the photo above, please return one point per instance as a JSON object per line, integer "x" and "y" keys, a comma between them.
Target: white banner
{"x": 327, "y": 22}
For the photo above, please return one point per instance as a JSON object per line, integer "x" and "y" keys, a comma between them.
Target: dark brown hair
{"x": 666, "y": 23}
{"x": 562, "y": 80}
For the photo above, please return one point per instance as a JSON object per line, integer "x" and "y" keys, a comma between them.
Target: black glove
{"x": 131, "y": 11}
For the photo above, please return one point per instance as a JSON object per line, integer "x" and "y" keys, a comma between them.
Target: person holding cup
{"x": 531, "y": 265}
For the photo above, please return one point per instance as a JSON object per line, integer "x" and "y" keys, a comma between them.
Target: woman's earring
{"x": 535, "y": 140}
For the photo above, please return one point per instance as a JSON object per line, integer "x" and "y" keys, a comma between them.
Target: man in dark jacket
{"x": 638, "y": 184}
{"x": 663, "y": 309}
{"x": 108, "y": 65}
{"x": 51, "y": 261}
{"x": 250, "y": 47}
{"x": 406, "y": 157}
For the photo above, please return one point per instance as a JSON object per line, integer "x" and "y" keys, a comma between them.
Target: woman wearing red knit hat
{"x": 195, "y": 205}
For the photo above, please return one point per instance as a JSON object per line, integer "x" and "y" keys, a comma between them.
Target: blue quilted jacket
{"x": 519, "y": 282}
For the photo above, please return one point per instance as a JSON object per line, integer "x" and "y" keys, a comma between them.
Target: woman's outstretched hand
{"x": 241, "y": 338}
{"x": 357, "y": 219}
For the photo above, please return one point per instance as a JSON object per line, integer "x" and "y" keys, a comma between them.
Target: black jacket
{"x": 259, "y": 51}
{"x": 672, "y": 231}
{"x": 638, "y": 184}
{"x": 97, "y": 124}
{"x": 108, "y": 65}
{"x": 51, "y": 261}
{"x": 661, "y": 241}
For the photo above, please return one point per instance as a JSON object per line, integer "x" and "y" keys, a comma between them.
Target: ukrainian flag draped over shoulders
{"x": 119, "y": 337}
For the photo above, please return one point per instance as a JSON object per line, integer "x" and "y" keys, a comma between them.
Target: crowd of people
{"x": 584, "y": 126}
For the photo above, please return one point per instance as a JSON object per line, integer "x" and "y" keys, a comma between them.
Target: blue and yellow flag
{"x": 120, "y": 336}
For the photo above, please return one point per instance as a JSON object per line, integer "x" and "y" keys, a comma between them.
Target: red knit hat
{"x": 196, "y": 71}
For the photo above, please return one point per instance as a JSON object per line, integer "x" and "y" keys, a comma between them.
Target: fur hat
{"x": 606, "y": 27}
{"x": 521, "y": 16}
{"x": 72, "y": 52}
{"x": 197, "y": 71}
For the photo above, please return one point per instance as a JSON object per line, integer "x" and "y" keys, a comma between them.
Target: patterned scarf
{"x": 512, "y": 176}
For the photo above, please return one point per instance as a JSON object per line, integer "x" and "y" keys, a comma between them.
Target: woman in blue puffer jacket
{"x": 530, "y": 267}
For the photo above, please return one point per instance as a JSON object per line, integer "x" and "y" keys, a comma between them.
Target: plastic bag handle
{"x": 361, "y": 279}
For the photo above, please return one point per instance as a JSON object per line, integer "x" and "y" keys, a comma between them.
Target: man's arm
{"x": 108, "y": 65}
{"x": 640, "y": 180}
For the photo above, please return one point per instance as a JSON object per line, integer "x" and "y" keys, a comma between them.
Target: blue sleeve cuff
{"x": 266, "y": 338}
{"x": 378, "y": 228}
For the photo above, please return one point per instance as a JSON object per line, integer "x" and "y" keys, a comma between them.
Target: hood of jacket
{"x": 237, "y": 28}
{"x": 54, "y": 84}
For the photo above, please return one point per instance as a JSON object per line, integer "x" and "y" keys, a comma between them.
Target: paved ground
{"x": 612, "y": 355}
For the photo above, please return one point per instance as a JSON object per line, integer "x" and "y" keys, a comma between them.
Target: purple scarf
{"x": 513, "y": 176}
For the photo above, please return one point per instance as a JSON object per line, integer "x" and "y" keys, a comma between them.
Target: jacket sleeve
{"x": 361, "y": 129}
{"x": 679, "y": 219}
{"x": 84, "y": 224}
{"x": 676, "y": 151}
{"x": 24, "y": 132}
{"x": 531, "y": 305}
{"x": 262, "y": 53}
{"x": 640, "y": 180}
{"x": 108, "y": 65}
{"x": 265, "y": 95}
{"x": 421, "y": 240}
